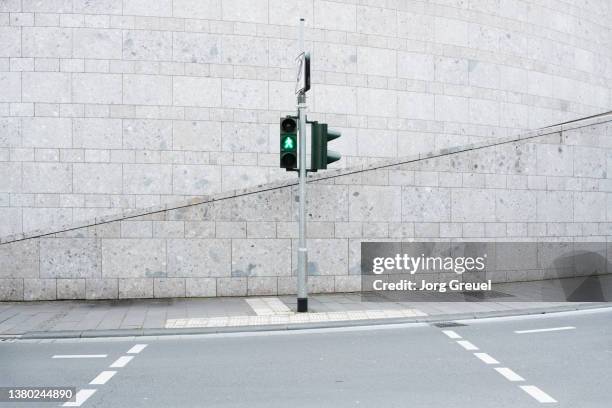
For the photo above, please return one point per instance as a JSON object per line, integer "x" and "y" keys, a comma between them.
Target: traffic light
{"x": 288, "y": 143}
{"x": 320, "y": 157}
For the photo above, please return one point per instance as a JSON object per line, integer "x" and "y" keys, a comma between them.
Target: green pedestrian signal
{"x": 320, "y": 156}
{"x": 288, "y": 143}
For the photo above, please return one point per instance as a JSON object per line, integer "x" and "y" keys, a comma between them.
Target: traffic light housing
{"x": 288, "y": 143}
{"x": 320, "y": 156}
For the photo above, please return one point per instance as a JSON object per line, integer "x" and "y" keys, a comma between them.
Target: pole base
{"x": 302, "y": 305}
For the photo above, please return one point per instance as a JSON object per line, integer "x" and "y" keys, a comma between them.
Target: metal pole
{"x": 302, "y": 290}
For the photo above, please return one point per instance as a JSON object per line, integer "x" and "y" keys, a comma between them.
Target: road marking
{"x": 545, "y": 330}
{"x": 80, "y": 398}
{"x": 467, "y": 345}
{"x": 451, "y": 334}
{"x": 121, "y": 361}
{"x": 79, "y": 356}
{"x": 137, "y": 349}
{"x": 103, "y": 377}
{"x": 538, "y": 394}
{"x": 487, "y": 359}
{"x": 509, "y": 374}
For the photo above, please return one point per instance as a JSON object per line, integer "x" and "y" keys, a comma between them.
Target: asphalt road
{"x": 393, "y": 366}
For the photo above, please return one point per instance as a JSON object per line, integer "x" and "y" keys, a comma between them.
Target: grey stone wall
{"x": 550, "y": 185}
{"x": 110, "y": 105}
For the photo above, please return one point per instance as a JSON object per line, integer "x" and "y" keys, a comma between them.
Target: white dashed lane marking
{"x": 538, "y": 394}
{"x": 451, "y": 334}
{"x": 137, "y": 349}
{"x": 485, "y": 358}
{"x": 545, "y": 330}
{"x": 80, "y": 356}
{"x": 103, "y": 377}
{"x": 81, "y": 397}
{"x": 467, "y": 345}
{"x": 121, "y": 361}
{"x": 509, "y": 374}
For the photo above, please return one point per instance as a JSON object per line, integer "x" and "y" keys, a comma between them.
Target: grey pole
{"x": 302, "y": 290}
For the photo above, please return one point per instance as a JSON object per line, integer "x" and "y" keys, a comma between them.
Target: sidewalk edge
{"x": 73, "y": 334}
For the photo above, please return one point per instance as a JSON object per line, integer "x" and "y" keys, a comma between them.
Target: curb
{"x": 75, "y": 334}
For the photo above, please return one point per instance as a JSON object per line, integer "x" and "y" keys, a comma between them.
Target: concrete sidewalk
{"x": 58, "y": 319}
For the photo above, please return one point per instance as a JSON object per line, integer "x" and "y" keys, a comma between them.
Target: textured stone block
{"x": 196, "y": 179}
{"x": 473, "y": 205}
{"x": 97, "y": 43}
{"x": 101, "y": 289}
{"x": 196, "y": 135}
{"x": 19, "y": 259}
{"x": 416, "y": 66}
{"x": 97, "y": 178}
{"x": 52, "y": 87}
{"x": 147, "y": 179}
{"x": 415, "y": 105}
{"x": 93, "y": 133}
{"x": 47, "y": 132}
{"x": 253, "y": 11}
{"x": 451, "y": 31}
{"x": 147, "y": 134}
{"x": 244, "y": 94}
{"x": 377, "y": 102}
{"x": 515, "y": 205}
{"x": 147, "y": 89}
{"x": 245, "y": 137}
{"x": 39, "y": 289}
{"x": 70, "y": 289}
{"x": 377, "y": 142}
{"x": 69, "y": 258}
{"x": 376, "y": 61}
{"x": 334, "y": 58}
{"x": 159, "y": 8}
{"x": 255, "y": 257}
{"x": 347, "y": 283}
{"x": 10, "y": 177}
{"x": 426, "y": 204}
{"x": 197, "y": 47}
{"x": 335, "y": 206}
{"x": 199, "y": 257}
{"x": 136, "y": 229}
{"x": 376, "y": 21}
{"x": 261, "y": 286}
{"x": 199, "y": 229}
{"x": 137, "y": 288}
{"x": 554, "y": 160}
{"x": 245, "y": 50}
{"x": 248, "y": 207}
{"x": 201, "y": 287}
{"x": 451, "y": 108}
{"x": 590, "y": 162}
{"x": 133, "y": 258}
{"x": 97, "y": 88}
{"x": 590, "y": 206}
{"x": 231, "y": 287}
{"x": 46, "y": 42}
{"x": 147, "y": 45}
{"x": 325, "y": 257}
{"x": 193, "y": 91}
{"x": 46, "y": 218}
{"x": 10, "y": 41}
{"x": 554, "y": 206}
{"x": 168, "y": 229}
{"x": 375, "y": 203}
{"x": 330, "y": 15}
{"x": 11, "y": 289}
{"x": 12, "y": 222}
{"x": 320, "y": 284}
{"x": 47, "y": 178}
{"x": 336, "y": 99}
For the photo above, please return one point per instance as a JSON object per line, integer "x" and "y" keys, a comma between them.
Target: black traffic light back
{"x": 288, "y": 143}
{"x": 320, "y": 156}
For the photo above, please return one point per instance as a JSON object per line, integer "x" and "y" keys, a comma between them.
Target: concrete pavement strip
{"x": 64, "y": 334}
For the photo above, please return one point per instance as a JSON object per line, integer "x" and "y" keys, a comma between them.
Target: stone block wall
{"x": 551, "y": 185}
{"x": 110, "y": 105}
